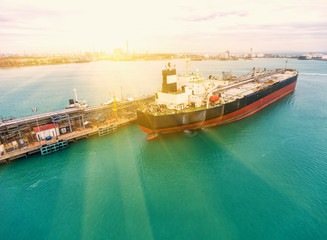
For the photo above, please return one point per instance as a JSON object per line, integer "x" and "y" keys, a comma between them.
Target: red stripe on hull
{"x": 234, "y": 116}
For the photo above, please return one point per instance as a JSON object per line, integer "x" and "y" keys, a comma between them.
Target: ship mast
{"x": 75, "y": 94}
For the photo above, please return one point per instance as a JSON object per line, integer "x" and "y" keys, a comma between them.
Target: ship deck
{"x": 257, "y": 84}
{"x": 237, "y": 88}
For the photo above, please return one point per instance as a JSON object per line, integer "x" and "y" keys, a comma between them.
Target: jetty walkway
{"x": 25, "y": 136}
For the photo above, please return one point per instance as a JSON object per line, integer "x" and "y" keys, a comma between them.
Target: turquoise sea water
{"x": 264, "y": 177}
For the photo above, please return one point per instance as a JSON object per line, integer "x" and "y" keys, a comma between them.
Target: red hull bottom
{"x": 234, "y": 116}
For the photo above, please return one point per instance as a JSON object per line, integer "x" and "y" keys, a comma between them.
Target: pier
{"x": 45, "y": 132}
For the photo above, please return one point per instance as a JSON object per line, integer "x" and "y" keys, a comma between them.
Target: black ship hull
{"x": 218, "y": 115}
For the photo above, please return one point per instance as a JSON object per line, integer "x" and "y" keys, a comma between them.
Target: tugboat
{"x": 189, "y": 101}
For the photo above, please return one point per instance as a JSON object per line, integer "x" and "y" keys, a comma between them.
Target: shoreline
{"x": 137, "y": 60}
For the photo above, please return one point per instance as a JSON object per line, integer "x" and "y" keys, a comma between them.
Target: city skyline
{"x": 186, "y": 26}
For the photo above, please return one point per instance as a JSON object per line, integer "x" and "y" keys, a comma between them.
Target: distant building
{"x": 127, "y": 50}
{"x": 268, "y": 55}
{"x": 314, "y": 56}
{"x": 47, "y": 130}
{"x": 224, "y": 55}
{"x": 118, "y": 53}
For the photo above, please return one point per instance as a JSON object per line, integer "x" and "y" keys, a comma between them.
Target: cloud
{"x": 4, "y": 20}
{"x": 190, "y": 25}
{"x": 316, "y": 26}
{"x": 214, "y": 15}
{"x": 25, "y": 21}
{"x": 30, "y": 11}
{"x": 291, "y": 30}
{"x": 18, "y": 26}
{"x": 27, "y": 15}
{"x": 15, "y": 34}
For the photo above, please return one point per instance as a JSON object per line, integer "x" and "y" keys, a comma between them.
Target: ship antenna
{"x": 75, "y": 93}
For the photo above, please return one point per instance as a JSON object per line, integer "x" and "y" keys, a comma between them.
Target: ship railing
{"x": 248, "y": 79}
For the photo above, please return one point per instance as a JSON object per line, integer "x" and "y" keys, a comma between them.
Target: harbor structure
{"x": 46, "y": 131}
{"x": 27, "y": 135}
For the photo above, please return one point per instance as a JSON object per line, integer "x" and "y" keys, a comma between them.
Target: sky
{"x": 199, "y": 26}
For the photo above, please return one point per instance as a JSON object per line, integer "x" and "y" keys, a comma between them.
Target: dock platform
{"x": 19, "y": 137}
{"x": 32, "y": 148}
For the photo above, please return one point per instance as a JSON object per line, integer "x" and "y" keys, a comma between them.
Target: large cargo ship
{"x": 189, "y": 101}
